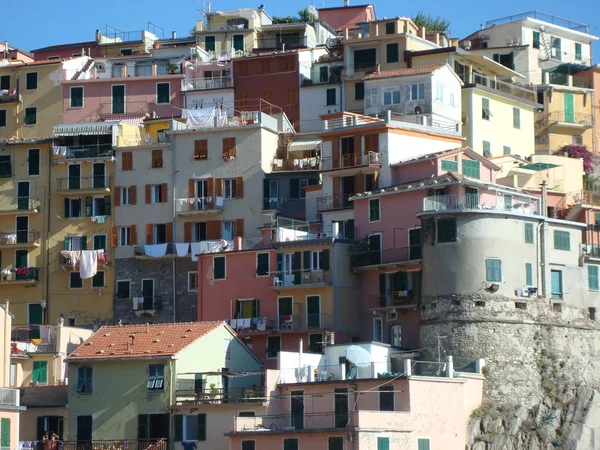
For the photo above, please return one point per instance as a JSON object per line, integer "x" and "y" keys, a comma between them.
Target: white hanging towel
{"x": 196, "y": 248}
{"x": 182, "y": 249}
{"x": 88, "y": 264}
{"x": 199, "y": 117}
{"x": 135, "y": 303}
{"x": 156, "y": 251}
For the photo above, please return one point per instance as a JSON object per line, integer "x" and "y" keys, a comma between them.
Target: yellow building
{"x": 82, "y": 218}
{"x": 567, "y": 116}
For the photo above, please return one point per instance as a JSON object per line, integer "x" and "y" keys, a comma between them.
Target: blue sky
{"x": 48, "y": 22}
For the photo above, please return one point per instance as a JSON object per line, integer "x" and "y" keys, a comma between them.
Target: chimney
{"x": 130, "y": 344}
{"x": 237, "y": 243}
{"x": 173, "y": 34}
{"x": 346, "y": 3}
{"x": 98, "y": 36}
{"x": 543, "y": 208}
{"x": 147, "y": 328}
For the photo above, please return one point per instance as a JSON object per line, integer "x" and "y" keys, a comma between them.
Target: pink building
{"x": 124, "y": 88}
{"x": 388, "y": 256}
{"x": 347, "y": 17}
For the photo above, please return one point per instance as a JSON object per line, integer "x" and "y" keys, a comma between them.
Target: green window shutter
{"x": 528, "y": 274}
{"x": 569, "y": 108}
{"x": 107, "y": 205}
{"x": 487, "y": 149}
{"x": 562, "y": 240}
{"x": 178, "y": 425}
{"x": 262, "y": 266}
{"x": 529, "y": 233}
{"x": 307, "y": 254}
{"x": 516, "y": 117}
{"x": 330, "y": 96}
{"x": 506, "y": 150}
{"x": 83, "y": 243}
{"x": 324, "y": 262}
{"x": 578, "y": 51}
{"x": 471, "y": 168}
{"x": 383, "y": 443}
{"x": 593, "y": 277}
{"x": 67, "y": 243}
{"x": 219, "y": 268}
{"x": 493, "y": 270}
{"x": 201, "y": 427}
{"x": 449, "y": 165}
{"x": 536, "y": 39}
{"x": 374, "y": 213}
{"x": 423, "y": 444}
{"x": 5, "y": 433}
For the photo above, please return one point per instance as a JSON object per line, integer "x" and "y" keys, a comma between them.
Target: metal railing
{"x": 219, "y": 396}
{"x": 349, "y": 121}
{"x": 426, "y": 120}
{"x": 285, "y": 422}
{"x": 83, "y": 183}
{"x": 507, "y": 88}
{"x": 332, "y": 202}
{"x": 272, "y": 203}
{"x": 199, "y": 204}
{"x": 89, "y": 151}
{"x": 429, "y": 368}
{"x": 295, "y": 164}
{"x": 502, "y": 202}
{"x": 18, "y": 203}
{"x": 127, "y": 444}
{"x": 8, "y": 97}
{"x": 139, "y": 250}
{"x": 29, "y": 342}
{"x": 146, "y": 303}
{"x": 19, "y": 275}
{"x": 199, "y": 84}
{"x": 281, "y": 323}
{"x": 562, "y": 79}
{"x": 567, "y": 23}
{"x": 393, "y": 299}
{"x": 300, "y": 278}
{"x": 9, "y": 397}
{"x": 351, "y": 160}
{"x": 560, "y": 117}
{"x": 362, "y": 258}
{"x": 18, "y": 237}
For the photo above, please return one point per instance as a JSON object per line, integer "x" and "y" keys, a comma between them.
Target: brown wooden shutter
{"x": 117, "y": 200}
{"x": 148, "y": 193}
{"x": 336, "y": 187}
{"x": 157, "y": 159}
{"x": 372, "y": 143}
{"x": 213, "y": 229}
{"x": 170, "y": 232}
{"x": 201, "y": 149}
{"x": 211, "y": 187}
{"x": 187, "y": 232}
{"x": 359, "y": 183}
{"x": 149, "y": 233}
{"x": 133, "y": 234}
{"x": 229, "y": 147}
{"x": 163, "y": 192}
{"x": 239, "y": 227}
{"x": 239, "y": 187}
{"x": 191, "y": 188}
{"x": 113, "y": 236}
{"x": 133, "y": 195}
{"x": 335, "y": 152}
{"x": 218, "y": 187}
{"x": 127, "y": 161}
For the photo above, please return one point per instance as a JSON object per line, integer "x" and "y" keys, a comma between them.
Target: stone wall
{"x": 517, "y": 338}
{"x": 161, "y": 270}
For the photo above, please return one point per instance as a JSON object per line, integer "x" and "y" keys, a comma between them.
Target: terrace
{"x": 495, "y": 201}
{"x": 201, "y": 84}
{"x": 219, "y": 388}
{"x": 285, "y": 323}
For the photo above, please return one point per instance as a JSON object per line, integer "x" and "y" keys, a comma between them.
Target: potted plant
{"x": 172, "y": 68}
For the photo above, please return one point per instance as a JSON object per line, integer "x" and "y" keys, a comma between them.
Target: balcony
{"x": 273, "y": 204}
{"x": 349, "y": 120}
{"x": 424, "y": 120}
{"x": 292, "y": 423}
{"x": 334, "y": 202}
{"x": 200, "y": 206}
{"x": 562, "y": 79}
{"x": 363, "y": 258}
{"x": 9, "y": 397}
{"x": 352, "y": 163}
{"x": 201, "y": 84}
{"x": 396, "y": 299}
{"x": 68, "y": 265}
{"x": 360, "y": 69}
{"x": 217, "y": 396}
{"x": 301, "y": 278}
{"x": 19, "y": 239}
{"x": 19, "y": 205}
{"x": 127, "y": 444}
{"x": 295, "y": 164}
{"x": 509, "y": 203}
{"x": 281, "y": 42}
{"x": 514, "y": 90}
{"x": 23, "y": 275}
{"x": 23, "y": 343}
{"x": 83, "y": 185}
{"x": 561, "y": 119}
{"x": 286, "y": 323}
{"x": 146, "y": 305}
{"x": 9, "y": 96}
{"x": 97, "y": 151}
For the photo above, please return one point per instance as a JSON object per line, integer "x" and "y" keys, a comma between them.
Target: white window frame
{"x": 124, "y": 232}
{"x": 71, "y": 97}
{"x": 75, "y": 288}
{"x": 39, "y": 162}
{"x": 125, "y": 196}
{"x": 37, "y": 81}
{"x": 71, "y": 216}
{"x": 314, "y": 260}
{"x": 391, "y": 91}
{"x": 25, "y": 115}
{"x": 419, "y": 92}
{"x": 155, "y": 193}
{"x": 104, "y": 281}
{"x": 439, "y": 92}
{"x": 231, "y": 183}
{"x": 190, "y": 276}
{"x": 379, "y": 204}
{"x": 380, "y": 338}
{"x": 163, "y": 103}
{"x": 117, "y": 290}
{"x": 451, "y": 100}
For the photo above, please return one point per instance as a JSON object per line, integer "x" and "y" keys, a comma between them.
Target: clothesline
{"x": 184, "y": 248}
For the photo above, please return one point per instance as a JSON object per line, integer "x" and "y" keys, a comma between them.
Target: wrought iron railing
{"x": 83, "y": 183}
{"x": 333, "y": 202}
{"x": 18, "y": 237}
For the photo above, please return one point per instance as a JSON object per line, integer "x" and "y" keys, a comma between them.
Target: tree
{"x": 288, "y": 19}
{"x": 437, "y": 24}
{"x": 307, "y": 16}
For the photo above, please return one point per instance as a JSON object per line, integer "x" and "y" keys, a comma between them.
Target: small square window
{"x": 390, "y": 28}
{"x": 98, "y": 280}
{"x": 446, "y": 230}
{"x": 562, "y": 240}
{"x": 192, "y": 281}
{"x": 262, "y": 264}
{"x": 30, "y": 116}
{"x": 31, "y": 81}
{"x": 76, "y": 100}
{"x": 163, "y": 93}
{"x": 156, "y": 377}
{"x": 123, "y": 289}
{"x": 493, "y": 270}
{"x": 209, "y": 43}
{"x": 75, "y": 281}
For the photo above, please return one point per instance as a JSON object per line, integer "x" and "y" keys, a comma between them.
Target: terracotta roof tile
{"x": 403, "y": 72}
{"x": 149, "y": 340}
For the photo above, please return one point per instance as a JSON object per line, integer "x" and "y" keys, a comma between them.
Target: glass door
{"x": 22, "y": 230}
{"x": 286, "y": 313}
{"x": 148, "y": 293}
{"x": 297, "y": 410}
{"x": 203, "y": 195}
{"x": 23, "y": 195}
{"x": 471, "y": 197}
{"x": 118, "y": 99}
{"x": 415, "y": 240}
{"x": 74, "y": 176}
{"x": 99, "y": 171}
{"x": 35, "y": 315}
{"x": 313, "y": 311}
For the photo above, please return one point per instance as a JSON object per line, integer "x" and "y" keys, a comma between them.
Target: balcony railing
{"x": 351, "y": 160}
{"x": 577, "y": 119}
{"x": 187, "y": 205}
{"x": 281, "y": 323}
{"x": 505, "y": 202}
{"x": 9, "y": 397}
{"x": 83, "y": 183}
{"x": 9, "y": 204}
{"x": 18, "y": 237}
{"x": 362, "y": 258}
{"x": 334, "y": 202}
{"x": 562, "y": 79}
{"x": 393, "y": 299}
{"x": 349, "y": 120}
{"x": 200, "y": 84}
{"x": 146, "y": 303}
{"x": 289, "y": 422}
{"x": 501, "y": 86}
{"x": 9, "y": 96}
{"x": 293, "y": 278}
{"x": 218, "y": 396}
{"x": 88, "y": 152}
{"x": 427, "y": 120}
{"x": 30, "y": 343}
{"x": 295, "y": 164}
{"x": 279, "y": 43}
{"x": 272, "y": 203}
{"x": 20, "y": 275}
{"x": 127, "y": 444}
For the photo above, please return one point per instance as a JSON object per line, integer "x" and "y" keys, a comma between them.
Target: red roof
{"x": 403, "y": 72}
{"x": 141, "y": 341}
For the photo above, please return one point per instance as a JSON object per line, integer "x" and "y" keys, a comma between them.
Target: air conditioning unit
{"x": 392, "y": 315}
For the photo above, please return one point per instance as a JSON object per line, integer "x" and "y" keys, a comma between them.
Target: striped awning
{"x": 303, "y": 145}
{"x": 77, "y": 129}
{"x": 137, "y": 121}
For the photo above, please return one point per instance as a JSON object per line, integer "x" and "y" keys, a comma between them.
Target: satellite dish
{"x": 418, "y": 110}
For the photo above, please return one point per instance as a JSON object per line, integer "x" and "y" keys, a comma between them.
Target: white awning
{"x": 92, "y": 128}
{"x": 137, "y": 121}
{"x": 303, "y": 145}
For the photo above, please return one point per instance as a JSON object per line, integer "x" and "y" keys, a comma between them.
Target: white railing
{"x": 348, "y": 121}
{"x": 9, "y": 397}
{"x": 198, "y": 84}
{"x": 499, "y": 202}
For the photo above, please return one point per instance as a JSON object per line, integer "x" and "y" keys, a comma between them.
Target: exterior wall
{"x": 593, "y": 75}
{"x": 207, "y": 97}
{"x": 347, "y": 17}
{"x": 91, "y": 47}
{"x": 499, "y": 130}
{"x": 313, "y": 104}
{"x": 406, "y": 144}
{"x": 28, "y": 422}
{"x": 294, "y": 208}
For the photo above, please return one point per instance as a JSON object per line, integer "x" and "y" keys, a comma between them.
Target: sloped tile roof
{"x": 141, "y": 341}
{"x": 403, "y": 72}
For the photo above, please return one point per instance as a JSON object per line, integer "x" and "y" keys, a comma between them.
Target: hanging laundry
{"x": 100, "y": 219}
{"x": 182, "y": 249}
{"x": 73, "y": 256}
{"x": 199, "y": 117}
{"x": 55, "y": 150}
{"x": 196, "y": 249}
{"x": 88, "y": 264}
{"x": 156, "y": 250}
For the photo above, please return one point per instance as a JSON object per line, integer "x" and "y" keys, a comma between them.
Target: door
{"x": 313, "y": 311}
{"x": 415, "y": 240}
{"x": 340, "y": 408}
{"x": 22, "y": 223}
{"x": 273, "y": 194}
{"x": 35, "y": 315}
{"x": 148, "y": 293}
{"x": 84, "y": 428}
{"x": 348, "y": 188}
{"x": 569, "y": 108}
{"x": 50, "y": 424}
{"x": 99, "y": 171}
{"x": 203, "y": 195}
{"x": 74, "y": 176}
{"x": 118, "y": 99}
{"x": 375, "y": 249}
{"x": 471, "y": 197}
{"x": 297, "y": 410}
{"x": 238, "y": 42}
{"x": 23, "y": 195}
{"x": 21, "y": 260}
{"x": 286, "y": 313}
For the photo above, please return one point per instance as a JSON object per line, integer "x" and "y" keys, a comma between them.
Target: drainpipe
{"x": 7, "y": 345}
{"x": 542, "y": 238}
{"x": 174, "y": 227}
{"x": 46, "y": 241}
